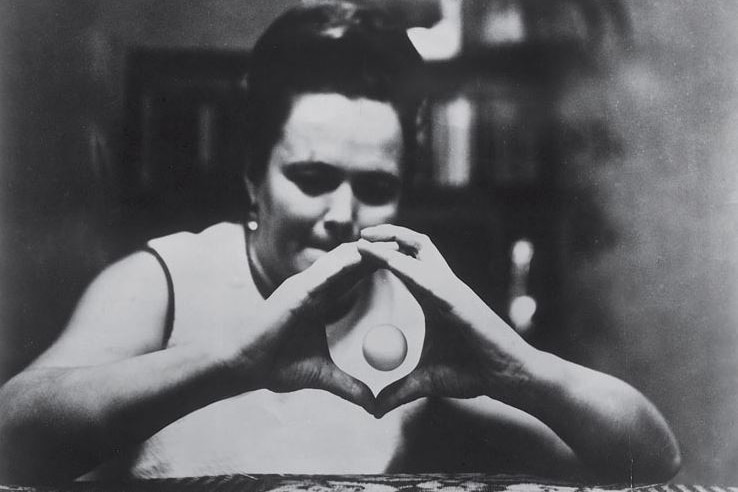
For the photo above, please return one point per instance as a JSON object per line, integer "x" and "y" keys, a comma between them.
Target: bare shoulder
{"x": 121, "y": 314}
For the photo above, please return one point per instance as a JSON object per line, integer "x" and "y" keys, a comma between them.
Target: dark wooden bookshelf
{"x": 177, "y": 173}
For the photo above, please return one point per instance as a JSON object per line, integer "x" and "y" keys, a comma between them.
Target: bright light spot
{"x": 522, "y": 309}
{"x": 522, "y": 252}
{"x": 504, "y": 25}
{"x": 460, "y": 113}
{"x": 443, "y": 40}
{"x": 452, "y": 142}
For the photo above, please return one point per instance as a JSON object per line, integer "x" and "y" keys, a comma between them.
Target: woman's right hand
{"x": 289, "y": 350}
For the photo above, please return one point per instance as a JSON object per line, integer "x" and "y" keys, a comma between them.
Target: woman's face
{"x": 335, "y": 170}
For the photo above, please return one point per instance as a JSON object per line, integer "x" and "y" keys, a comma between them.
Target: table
{"x": 359, "y": 483}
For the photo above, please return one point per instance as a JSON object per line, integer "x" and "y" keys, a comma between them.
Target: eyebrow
{"x": 296, "y": 165}
{"x": 391, "y": 178}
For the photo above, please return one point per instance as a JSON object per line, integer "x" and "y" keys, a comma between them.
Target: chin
{"x": 307, "y": 257}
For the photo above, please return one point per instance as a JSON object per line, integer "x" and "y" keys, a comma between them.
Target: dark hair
{"x": 338, "y": 47}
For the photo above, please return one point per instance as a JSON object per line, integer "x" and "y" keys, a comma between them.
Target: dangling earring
{"x": 252, "y": 223}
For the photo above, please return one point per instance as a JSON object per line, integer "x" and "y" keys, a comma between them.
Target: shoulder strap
{"x": 169, "y": 321}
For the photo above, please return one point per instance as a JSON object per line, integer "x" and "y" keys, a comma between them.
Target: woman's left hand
{"x": 469, "y": 350}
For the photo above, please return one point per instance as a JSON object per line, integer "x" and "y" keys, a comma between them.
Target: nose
{"x": 339, "y": 216}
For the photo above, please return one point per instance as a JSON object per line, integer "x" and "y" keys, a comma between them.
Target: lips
{"x": 308, "y": 256}
{"x": 322, "y": 247}
{"x": 315, "y": 250}
{"x": 325, "y": 245}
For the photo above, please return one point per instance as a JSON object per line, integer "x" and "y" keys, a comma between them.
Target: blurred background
{"x": 578, "y": 168}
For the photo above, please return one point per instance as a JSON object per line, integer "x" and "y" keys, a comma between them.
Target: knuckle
{"x": 341, "y": 248}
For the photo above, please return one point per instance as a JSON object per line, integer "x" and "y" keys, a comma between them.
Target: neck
{"x": 263, "y": 284}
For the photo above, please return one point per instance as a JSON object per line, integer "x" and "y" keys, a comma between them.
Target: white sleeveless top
{"x": 307, "y": 431}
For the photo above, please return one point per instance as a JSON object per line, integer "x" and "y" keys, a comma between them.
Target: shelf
{"x": 521, "y": 63}
{"x": 180, "y": 119}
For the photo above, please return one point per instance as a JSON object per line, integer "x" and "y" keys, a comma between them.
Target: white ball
{"x": 385, "y": 347}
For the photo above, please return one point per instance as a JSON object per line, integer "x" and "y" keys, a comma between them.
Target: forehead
{"x": 351, "y": 133}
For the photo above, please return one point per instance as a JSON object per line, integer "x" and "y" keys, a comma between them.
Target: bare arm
{"x": 107, "y": 383}
{"x": 104, "y": 385}
{"x": 604, "y": 430}
{"x": 612, "y": 427}
{"x": 615, "y": 434}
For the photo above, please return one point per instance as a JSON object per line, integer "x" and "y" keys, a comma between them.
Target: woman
{"x": 187, "y": 358}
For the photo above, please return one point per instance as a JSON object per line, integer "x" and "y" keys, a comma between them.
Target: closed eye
{"x": 314, "y": 178}
{"x": 373, "y": 188}
{"x": 376, "y": 188}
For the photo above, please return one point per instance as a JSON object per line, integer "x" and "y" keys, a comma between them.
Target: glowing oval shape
{"x": 384, "y": 347}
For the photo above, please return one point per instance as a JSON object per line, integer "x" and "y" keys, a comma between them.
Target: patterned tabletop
{"x": 359, "y": 483}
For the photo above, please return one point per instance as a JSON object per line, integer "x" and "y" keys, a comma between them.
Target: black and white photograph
{"x": 369, "y": 245}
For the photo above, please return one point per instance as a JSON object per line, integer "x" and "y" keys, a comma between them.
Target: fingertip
{"x": 353, "y": 390}
{"x": 374, "y": 232}
{"x": 385, "y": 404}
{"x": 368, "y": 248}
{"x": 382, "y": 410}
{"x": 368, "y": 403}
{"x": 348, "y": 249}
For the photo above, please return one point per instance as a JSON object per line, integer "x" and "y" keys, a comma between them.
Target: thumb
{"x": 410, "y": 388}
{"x": 335, "y": 381}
